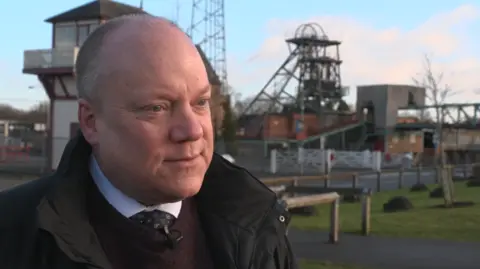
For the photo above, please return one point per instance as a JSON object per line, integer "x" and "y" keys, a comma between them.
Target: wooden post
{"x": 419, "y": 174}
{"x": 400, "y": 178}
{"x": 366, "y": 211}
{"x": 334, "y": 219}
{"x": 332, "y": 198}
{"x": 379, "y": 175}
{"x": 354, "y": 180}
{"x": 326, "y": 181}
{"x": 294, "y": 184}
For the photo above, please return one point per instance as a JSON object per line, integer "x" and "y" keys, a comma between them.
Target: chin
{"x": 184, "y": 190}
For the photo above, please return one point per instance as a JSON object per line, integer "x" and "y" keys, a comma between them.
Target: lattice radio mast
{"x": 207, "y": 29}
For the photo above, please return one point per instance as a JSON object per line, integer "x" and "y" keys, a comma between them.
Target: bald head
{"x": 122, "y": 42}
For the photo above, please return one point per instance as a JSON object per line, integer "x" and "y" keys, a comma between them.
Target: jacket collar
{"x": 229, "y": 193}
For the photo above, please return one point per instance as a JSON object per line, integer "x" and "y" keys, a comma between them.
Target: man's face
{"x": 154, "y": 136}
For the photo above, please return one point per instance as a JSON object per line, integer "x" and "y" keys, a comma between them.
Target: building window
{"x": 72, "y": 35}
{"x": 65, "y": 36}
{"x": 411, "y": 99}
{"x": 83, "y": 32}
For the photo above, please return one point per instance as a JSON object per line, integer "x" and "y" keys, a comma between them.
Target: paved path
{"x": 386, "y": 253}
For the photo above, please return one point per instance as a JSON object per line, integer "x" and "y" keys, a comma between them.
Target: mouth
{"x": 186, "y": 159}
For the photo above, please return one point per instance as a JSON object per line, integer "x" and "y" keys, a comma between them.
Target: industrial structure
{"x": 54, "y": 67}
{"x": 302, "y": 106}
{"x": 304, "y": 97}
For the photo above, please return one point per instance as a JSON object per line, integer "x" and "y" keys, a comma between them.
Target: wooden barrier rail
{"x": 291, "y": 187}
{"x": 278, "y": 189}
{"x": 290, "y": 179}
{"x": 327, "y": 198}
{"x": 365, "y": 195}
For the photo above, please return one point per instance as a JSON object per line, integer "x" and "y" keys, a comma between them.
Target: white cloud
{"x": 374, "y": 55}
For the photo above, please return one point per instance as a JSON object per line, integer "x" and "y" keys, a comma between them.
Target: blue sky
{"x": 247, "y": 31}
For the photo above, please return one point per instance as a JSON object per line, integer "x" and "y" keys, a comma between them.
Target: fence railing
{"x": 49, "y": 58}
{"x": 305, "y": 161}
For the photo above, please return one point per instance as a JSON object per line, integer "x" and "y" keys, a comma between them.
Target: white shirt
{"x": 121, "y": 202}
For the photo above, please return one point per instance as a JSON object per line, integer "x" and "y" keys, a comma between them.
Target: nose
{"x": 186, "y": 126}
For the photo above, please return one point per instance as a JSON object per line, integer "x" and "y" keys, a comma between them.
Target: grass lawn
{"x": 327, "y": 265}
{"x": 424, "y": 221}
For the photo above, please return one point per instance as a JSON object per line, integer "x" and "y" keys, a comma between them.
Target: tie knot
{"x": 160, "y": 221}
{"x": 156, "y": 219}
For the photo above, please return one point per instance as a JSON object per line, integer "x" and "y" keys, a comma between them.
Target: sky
{"x": 382, "y": 41}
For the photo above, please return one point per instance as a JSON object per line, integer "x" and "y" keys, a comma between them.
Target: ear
{"x": 87, "y": 121}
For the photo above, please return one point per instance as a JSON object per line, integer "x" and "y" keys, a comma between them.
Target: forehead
{"x": 143, "y": 84}
{"x": 167, "y": 63}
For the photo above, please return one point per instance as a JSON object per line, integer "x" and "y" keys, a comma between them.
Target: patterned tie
{"x": 155, "y": 219}
{"x": 160, "y": 221}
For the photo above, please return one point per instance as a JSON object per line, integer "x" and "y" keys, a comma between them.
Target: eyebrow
{"x": 206, "y": 89}
{"x": 168, "y": 95}
{"x": 203, "y": 91}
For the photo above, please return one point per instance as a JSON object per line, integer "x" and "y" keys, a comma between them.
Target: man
{"x": 140, "y": 187}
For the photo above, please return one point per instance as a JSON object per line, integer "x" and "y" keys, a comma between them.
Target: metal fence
{"x": 25, "y": 154}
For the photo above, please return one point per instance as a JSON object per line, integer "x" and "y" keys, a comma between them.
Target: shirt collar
{"x": 121, "y": 202}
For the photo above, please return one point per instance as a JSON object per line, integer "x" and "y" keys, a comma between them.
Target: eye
{"x": 157, "y": 108}
{"x": 203, "y": 102}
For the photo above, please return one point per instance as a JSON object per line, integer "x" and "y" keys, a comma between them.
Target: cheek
{"x": 147, "y": 135}
{"x": 207, "y": 126}
{"x": 134, "y": 136}
{"x": 208, "y": 135}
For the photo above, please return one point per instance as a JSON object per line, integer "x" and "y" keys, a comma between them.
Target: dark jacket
{"x": 44, "y": 223}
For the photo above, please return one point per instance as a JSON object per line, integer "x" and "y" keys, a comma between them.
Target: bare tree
{"x": 437, "y": 92}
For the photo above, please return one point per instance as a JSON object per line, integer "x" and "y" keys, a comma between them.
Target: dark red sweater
{"x": 129, "y": 245}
